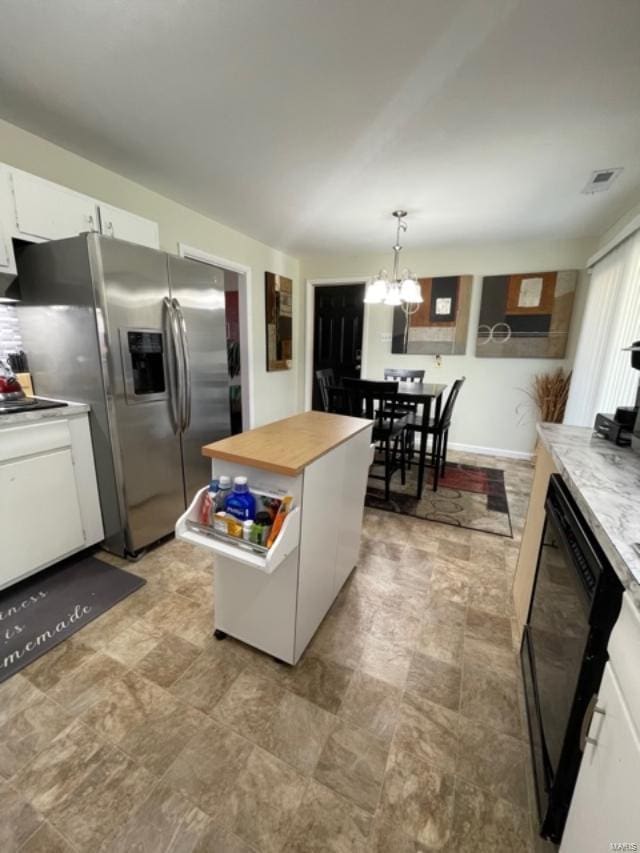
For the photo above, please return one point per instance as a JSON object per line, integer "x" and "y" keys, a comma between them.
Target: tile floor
{"x": 401, "y": 729}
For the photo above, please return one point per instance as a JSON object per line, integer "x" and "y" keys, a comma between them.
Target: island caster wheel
{"x": 219, "y": 635}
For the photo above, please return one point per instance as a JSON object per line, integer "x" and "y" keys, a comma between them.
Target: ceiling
{"x": 304, "y": 123}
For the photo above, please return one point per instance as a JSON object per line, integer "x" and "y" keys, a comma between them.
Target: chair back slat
{"x": 376, "y": 401}
{"x": 404, "y": 374}
{"x": 325, "y": 378}
{"x": 447, "y": 410}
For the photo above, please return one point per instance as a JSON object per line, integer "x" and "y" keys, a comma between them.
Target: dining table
{"x": 428, "y": 395}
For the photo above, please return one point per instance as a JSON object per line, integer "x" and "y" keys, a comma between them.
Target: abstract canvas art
{"x": 441, "y": 323}
{"x": 526, "y": 315}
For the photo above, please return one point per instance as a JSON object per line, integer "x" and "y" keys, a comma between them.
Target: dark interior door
{"x": 337, "y": 325}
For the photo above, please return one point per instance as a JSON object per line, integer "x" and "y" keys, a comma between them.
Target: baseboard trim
{"x": 490, "y": 451}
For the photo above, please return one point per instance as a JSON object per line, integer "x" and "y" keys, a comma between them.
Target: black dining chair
{"x": 325, "y": 379}
{"x": 439, "y": 432}
{"x": 403, "y": 374}
{"x": 378, "y": 401}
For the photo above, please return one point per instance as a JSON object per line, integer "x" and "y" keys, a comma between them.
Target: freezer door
{"x": 132, "y": 282}
{"x": 198, "y": 290}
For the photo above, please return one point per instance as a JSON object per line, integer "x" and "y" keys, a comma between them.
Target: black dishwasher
{"x": 575, "y": 603}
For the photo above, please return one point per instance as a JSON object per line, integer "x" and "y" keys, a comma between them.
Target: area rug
{"x": 40, "y": 612}
{"x": 468, "y": 496}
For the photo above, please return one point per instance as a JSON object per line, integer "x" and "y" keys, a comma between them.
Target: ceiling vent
{"x": 601, "y": 180}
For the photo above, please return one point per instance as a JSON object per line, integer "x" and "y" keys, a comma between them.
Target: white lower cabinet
{"x": 123, "y": 225}
{"x": 49, "y": 506}
{"x": 605, "y": 808}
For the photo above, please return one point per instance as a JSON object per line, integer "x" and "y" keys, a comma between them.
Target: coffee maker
{"x": 623, "y": 428}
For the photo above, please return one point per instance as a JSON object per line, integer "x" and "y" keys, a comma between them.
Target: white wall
{"x": 492, "y": 410}
{"x": 275, "y": 394}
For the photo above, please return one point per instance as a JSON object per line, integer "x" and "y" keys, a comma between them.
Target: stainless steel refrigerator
{"x": 140, "y": 336}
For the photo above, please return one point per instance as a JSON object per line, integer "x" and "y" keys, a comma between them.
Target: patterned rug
{"x": 468, "y": 496}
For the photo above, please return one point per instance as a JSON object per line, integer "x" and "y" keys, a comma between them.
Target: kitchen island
{"x": 275, "y": 601}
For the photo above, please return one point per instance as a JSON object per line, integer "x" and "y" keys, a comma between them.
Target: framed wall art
{"x": 278, "y": 321}
{"x": 526, "y": 315}
{"x": 441, "y": 323}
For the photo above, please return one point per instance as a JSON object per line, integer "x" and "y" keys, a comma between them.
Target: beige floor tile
{"x": 483, "y": 823}
{"x": 451, "y": 549}
{"x": 165, "y": 821}
{"x": 89, "y": 683}
{"x": 413, "y": 569}
{"x": 371, "y": 704}
{"x": 433, "y": 680}
{"x": 297, "y": 732}
{"x": 175, "y": 614}
{"x": 325, "y": 821}
{"x": 59, "y": 768}
{"x": 387, "y": 660}
{"x": 29, "y": 731}
{"x": 264, "y": 800}
{"x": 485, "y": 654}
{"x": 491, "y": 591}
{"x": 248, "y": 705}
{"x": 145, "y": 721}
{"x": 449, "y": 584}
{"x": 317, "y": 679}
{"x": 488, "y": 628}
{"x": 494, "y": 762}
{"x": 391, "y": 625}
{"x": 387, "y": 837}
{"x": 130, "y": 642}
{"x": 95, "y": 809}
{"x": 209, "y": 677}
{"x": 64, "y": 659}
{"x": 352, "y": 763}
{"x": 168, "y": 660}
{"x": 207, "y": 768}
{"x": 19, "y": 819}
{"x": 430, "y": 733}
{"x": 490, "y": 696}
{"x": 339, "y": 640}
{"x": 215, "y": 838}
{"x": 379, "y": 548}
{"x": 442, "y": 633}
{"x": 16, "y": 694}
{"x": 417, "y": 801}
{"x": 45, "y": 839}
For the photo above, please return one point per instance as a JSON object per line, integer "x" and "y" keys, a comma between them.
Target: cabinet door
{"x": 40, "y": 520}
{"x": 128, "y": 226}
{"x": 5, "y": 259}
{"x": 48, "y": 211}
{"x": 355, "y": 476}
{"x": 604, "y": 808}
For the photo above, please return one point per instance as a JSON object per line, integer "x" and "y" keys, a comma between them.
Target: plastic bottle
{"x": 224, "y": 490}
{"x": 246, "y": 529}
{"x": 241, "y": 504}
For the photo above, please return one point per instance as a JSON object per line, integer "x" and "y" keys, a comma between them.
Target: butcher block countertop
{"x": 289, "y": 445}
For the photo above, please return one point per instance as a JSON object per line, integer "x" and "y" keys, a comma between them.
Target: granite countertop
{"x": 30, "y": 417}
{"x": 605, "y": 481}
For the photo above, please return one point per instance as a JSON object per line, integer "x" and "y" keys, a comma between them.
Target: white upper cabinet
{"x": 5, "y": 258}
{"x": 47, "y": 211}
{"x": 123, "y": 225}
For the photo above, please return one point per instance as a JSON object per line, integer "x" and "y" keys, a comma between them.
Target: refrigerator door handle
{"x": 174, "y": 365}
{"x": 186, "y": 365}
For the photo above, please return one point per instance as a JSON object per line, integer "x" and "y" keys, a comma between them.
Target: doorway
{"x": 338, "y": 318}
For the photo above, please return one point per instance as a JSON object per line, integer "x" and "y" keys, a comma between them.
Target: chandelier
{"x": 401, "y": 289}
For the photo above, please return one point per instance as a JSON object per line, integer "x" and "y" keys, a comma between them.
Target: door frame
{"x": 310, "y": 302}
{"x": 246, "y": 346}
